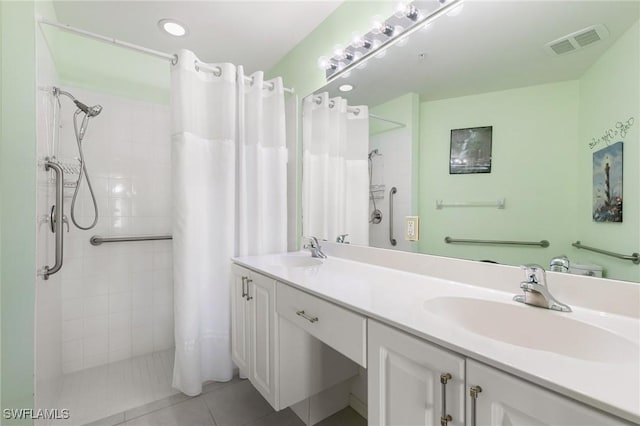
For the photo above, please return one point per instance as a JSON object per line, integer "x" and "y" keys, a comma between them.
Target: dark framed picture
{"x": 607, "y": 184}
{"x": 470, "y": 150}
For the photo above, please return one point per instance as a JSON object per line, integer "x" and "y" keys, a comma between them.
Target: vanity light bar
{"x": 384, "y": 35}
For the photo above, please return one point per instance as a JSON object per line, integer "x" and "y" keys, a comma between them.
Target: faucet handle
{"x": 534, "y": 273}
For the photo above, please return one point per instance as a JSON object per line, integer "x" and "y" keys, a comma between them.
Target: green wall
{"x": 610, "y": 93}
{"x": 535, "y": 130}
{"x": 17, "y": 215}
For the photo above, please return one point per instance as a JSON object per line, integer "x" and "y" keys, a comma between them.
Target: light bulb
{"x": 338, "y": 51}
{"x": 325, "y": 63}
{"x": 359, "y": 41}
{"x": 407, "y": 10}
{"x": 379, "y": 26}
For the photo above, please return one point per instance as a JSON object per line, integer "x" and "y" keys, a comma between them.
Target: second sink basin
{"x": 295, "y": 261}
{"x": 534, "y": 328}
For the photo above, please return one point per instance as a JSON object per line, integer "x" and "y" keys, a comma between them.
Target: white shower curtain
{"x": 262, "y": 186}
{"x": 335, "y": 194}
{"x": 216, "y": 122}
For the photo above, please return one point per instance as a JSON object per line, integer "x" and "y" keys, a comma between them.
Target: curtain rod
{"x": 172, "y": 58}
{"x": 116, "y": 42}
{"x": 356, "y": 111}
{"x": 217, "y": 71}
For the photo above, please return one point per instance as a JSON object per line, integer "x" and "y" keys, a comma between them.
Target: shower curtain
{"x": 226, "y": 141}
{"x": 335, "y": 191}
{"x": 262, "y": 186}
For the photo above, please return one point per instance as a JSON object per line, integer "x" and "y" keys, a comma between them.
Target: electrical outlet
{"x": 412, "y": 228}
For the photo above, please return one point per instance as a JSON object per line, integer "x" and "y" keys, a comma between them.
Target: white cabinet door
{"x": 262, "y": 306}
{"x": 240, "y": 332}
{"x": 405, "y": 386}
{"x": 505, "y": 401}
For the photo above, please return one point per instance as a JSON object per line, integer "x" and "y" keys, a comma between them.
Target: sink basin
{"x": 534, "y": 328}
{"x": 296, "y": 261}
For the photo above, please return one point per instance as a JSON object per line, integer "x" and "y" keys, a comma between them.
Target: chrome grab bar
{"x": 96, "y": 240}
{"x": 635, "y": 257}
{"x": 58, "y": 218}
{"x": 445, "y": 418}
{"x": 392, "y": 240}
{"x": 542, "y": 243}
{"x": 473, "y": 393}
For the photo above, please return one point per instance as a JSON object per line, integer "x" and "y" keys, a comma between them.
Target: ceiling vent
{"x": 577, "y": 40}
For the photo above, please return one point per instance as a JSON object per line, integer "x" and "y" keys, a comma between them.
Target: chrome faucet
{"x": 314, "y": 248}
{"x": 342, "y": 238}
{"x": 559, "y": 264}
{"x": 536, "y": 291}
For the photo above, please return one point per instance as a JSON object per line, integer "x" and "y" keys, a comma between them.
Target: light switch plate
{"x": 412, "y": 228}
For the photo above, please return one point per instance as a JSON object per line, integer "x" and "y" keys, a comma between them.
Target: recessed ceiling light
{"x": 345, "y": 88}
{"x": 172, "y": 27}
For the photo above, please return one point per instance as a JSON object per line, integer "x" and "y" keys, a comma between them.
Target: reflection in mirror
{"x": 557, "y": 83}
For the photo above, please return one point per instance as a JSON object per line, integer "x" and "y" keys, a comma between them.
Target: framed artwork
{"x": 607, "y": 184}
{"x": 470, "y": 150}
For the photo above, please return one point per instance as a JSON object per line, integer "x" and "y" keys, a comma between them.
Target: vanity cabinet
{"x": 503, "y": 400}
{"x": 405, "y": 388}
{"x": 283, "y": 358}
{"x": 412, "y": 382}
{"x": 254, "y": 331}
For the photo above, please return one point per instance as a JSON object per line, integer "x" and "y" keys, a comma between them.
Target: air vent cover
{"x": 577, "y": 40}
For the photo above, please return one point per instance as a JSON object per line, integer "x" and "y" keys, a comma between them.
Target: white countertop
{"x": 398, "y": 298}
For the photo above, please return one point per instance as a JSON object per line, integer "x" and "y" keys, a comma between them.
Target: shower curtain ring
{"x": 174, "y": 61}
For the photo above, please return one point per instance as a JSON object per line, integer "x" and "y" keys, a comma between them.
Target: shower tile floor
{"x": 101, "y": 391}
{"x": 137, "y": 392}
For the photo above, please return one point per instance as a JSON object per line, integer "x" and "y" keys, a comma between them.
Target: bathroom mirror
{"x": 556, "y": 82}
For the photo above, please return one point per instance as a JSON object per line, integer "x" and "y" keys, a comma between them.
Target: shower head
{"x": 373, "y": 152}
{"x": 90, "y": 111}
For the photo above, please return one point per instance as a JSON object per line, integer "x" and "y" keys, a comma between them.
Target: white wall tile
{"x": 72, "y": 330}
{"x": 95, "y": 345}
{"x": 95, "y": 326}
{"x": 95, "y": 305}
{"x": 72, "y": 289}
{"x": 142, "y": 340}
{"x": 72, "y": 309}
{"x": 72, "y": 350}
{"x": 117, "y": 298}
{"x": 119, "y": 302}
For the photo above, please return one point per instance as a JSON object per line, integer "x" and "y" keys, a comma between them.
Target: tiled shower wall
{"x": 117, "y": 298}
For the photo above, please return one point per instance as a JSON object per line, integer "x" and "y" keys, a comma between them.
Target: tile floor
{"x": 235, "y": 403}
{"x": 98, "y": 392}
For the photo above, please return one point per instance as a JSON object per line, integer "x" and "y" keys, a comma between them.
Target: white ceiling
{"x": 256, "y": 34}
{"x": 489, "y": 46}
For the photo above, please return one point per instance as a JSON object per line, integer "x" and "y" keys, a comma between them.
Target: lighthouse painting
{"x": 607, "y": 184}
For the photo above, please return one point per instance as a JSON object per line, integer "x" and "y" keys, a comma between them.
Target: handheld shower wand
{"x": 89, "y": 112}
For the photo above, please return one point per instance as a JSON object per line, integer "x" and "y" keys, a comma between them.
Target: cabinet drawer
{"x": 343, "y": 330}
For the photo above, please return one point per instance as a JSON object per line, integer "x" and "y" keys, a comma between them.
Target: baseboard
{"x": 358, "y": 405}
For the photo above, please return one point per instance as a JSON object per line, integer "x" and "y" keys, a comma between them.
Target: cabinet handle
{"x": 444, "y": 418}
{"x": 307, "y": 316}
{"x": 244, "y": 283}
{"x": 249, "y": 280}
{"x": 473, "y": 393}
